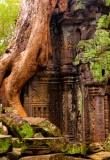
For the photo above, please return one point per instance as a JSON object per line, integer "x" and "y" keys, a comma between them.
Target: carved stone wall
{"x": 74, "y": 90}
{"x": 44, "y": 95}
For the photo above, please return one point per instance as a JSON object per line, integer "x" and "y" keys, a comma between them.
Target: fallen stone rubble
{"x": 38, "y": 139}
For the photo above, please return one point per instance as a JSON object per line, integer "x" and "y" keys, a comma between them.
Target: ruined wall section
{"x": 93, "y": 64}
{"x": 74, "y": 90}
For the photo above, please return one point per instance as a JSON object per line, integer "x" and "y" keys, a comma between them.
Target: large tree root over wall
{"x": 29, "y": 49}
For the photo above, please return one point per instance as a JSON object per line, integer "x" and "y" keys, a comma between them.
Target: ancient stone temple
{"x": 73, "y": 92}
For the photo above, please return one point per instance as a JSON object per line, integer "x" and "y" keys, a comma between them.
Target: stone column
{"x": 68, "y": 108}
{"x": 68, "y": 78}
{"x": 106, "y": 115}
{"x": 94, "y": 123}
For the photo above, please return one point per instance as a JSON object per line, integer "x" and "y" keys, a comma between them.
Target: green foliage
{"x": 107, "y": 3}
{"x": 8, "y": 16}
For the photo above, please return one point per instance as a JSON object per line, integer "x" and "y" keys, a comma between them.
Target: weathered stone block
{"x": 3, "y": 129}
{"x": 16, "y": 143}
{"x": 107, "y": 144}
{"x": 100, "y": 155}
{"x": 77, "y": 148}
{"x": 44, "y": 126}
{"x": 10, "y": 110}
{"x": 38, "y": 135}
{"x": 45, "y": 145}
{"x": 45, "y": 157}
{"x": 94, "y": 148}
{"x": 15, "y": 154}
{"x": 18, "y": 126}
{"x": 5, "y": 143}
{"x": 74, "y": 158}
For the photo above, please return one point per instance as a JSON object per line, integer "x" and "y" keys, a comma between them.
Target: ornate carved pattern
{"x": 39, "y": 110}
{"x": 44, "y": 96}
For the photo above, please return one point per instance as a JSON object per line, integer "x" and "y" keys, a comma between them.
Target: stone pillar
{"x": 94, "y": 115}
{"x": 68, "y": 78}
{"x": 107, "y": 110}
{"x": 106, "y": 115}
{"x": 68, "y": 108}
{"x": 69, "y": 114}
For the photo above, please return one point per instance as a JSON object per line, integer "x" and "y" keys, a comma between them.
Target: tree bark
{"x": 29, "y": 49}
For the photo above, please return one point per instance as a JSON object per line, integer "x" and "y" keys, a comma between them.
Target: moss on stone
{"x": 101, "y": 38}
{"x": 77, "y": 148}
{"x": 16, "y": 143}
{"x": 1, "y": 131}
{"x": 96, "y": 51}
{"x": 107, "y": 144}
{"x": 103, "y": 22}
{"x": 66, "y": 148}
{"x": 79, "y": 5}
{"x": 51, "y": 144}
{"x": 80, "y": 101}
{"x": 48, "y": 128}
{"x": 74, "y": 151}
{"x": 83, "y": 149}
{"x": 100, "y": 67}
{"x": 24, "y": 130}
{"x": 88, "y": 50}
{"x": 5, "y": 144}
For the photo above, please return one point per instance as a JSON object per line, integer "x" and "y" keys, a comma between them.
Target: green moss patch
{"x": 77, "y": 148}
{"x": 5, "y": 144}
{"x": 103, "y": 22}
{"x": 24, "y": 130}
{"x": 97, "y": 52}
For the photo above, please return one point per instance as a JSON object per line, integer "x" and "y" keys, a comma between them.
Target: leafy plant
{"x": 8, "y": 16}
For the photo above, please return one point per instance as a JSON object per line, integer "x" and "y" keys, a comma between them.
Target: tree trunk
{"x": 29, "y": 49}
